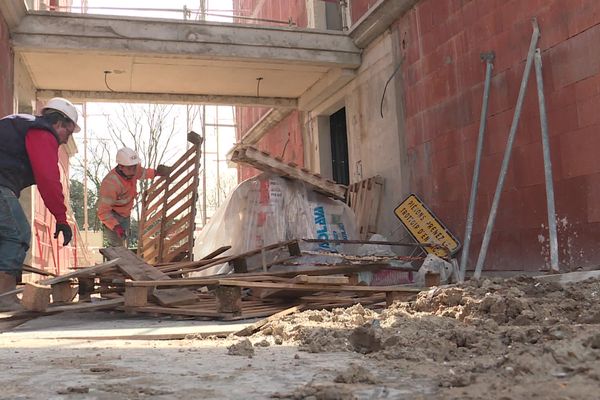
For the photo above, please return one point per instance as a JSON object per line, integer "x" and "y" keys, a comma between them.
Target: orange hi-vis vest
{"x": 117, "y": 194}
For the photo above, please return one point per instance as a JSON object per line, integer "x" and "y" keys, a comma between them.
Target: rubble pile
{"x": 504, "y": 338}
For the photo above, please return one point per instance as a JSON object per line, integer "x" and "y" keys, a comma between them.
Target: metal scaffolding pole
{"x": 547, "y": 164}
{"x": 489, "y": 65}
{"x": 204, "y": 217}
{"x": 85, "y": 178}
{"x": 508, "y": 152}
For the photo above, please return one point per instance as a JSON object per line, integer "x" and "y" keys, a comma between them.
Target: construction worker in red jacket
{"x": 118, "y": 192}
{"x": 29, "y": 155}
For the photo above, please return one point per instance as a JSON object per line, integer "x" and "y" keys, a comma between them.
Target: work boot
{"x": 9, "y": 302}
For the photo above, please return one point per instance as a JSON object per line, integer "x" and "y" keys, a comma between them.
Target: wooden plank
{"x": 175, "y": 297}
{"x": 318, "y": 287}
{"x": 214, "y": 280}
{"x": 175, "y": 311}
{"x": 96, "y": 305}
{"x": 264, "y": 162}
{"x": 83, "y": 272}
{"x": 138, "y": 269}
{"x": 327, "y": 280}
{"x": 249, "y": 330}
{"x": 29, "y": 268}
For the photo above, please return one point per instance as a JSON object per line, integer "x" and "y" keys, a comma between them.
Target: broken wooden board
{"x": 265, "y": 162}
{"x": 137, "y": 269}
{"x": 326, "y": 280}
{"x": 320, "y": 288}
{"x": 249, "y": 330}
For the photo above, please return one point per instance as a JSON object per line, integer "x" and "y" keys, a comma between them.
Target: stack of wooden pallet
{"x": 253, "y": 289}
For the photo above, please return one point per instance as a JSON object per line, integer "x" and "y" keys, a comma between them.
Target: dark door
{"x": 339, "y": 147}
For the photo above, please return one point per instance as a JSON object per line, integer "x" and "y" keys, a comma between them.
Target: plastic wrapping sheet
{"x": 268, "y": 209}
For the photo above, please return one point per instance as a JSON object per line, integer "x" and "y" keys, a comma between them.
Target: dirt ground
{"x": 494, "y": 339}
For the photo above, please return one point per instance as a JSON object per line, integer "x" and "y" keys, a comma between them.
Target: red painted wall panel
{"x": 443, "y": 78}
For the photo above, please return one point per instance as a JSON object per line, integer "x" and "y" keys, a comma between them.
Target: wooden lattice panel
{"x": 363, "y": 198}
{"x": 169, "y": 210}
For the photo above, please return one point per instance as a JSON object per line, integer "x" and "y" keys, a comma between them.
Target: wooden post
{"x": 136, "y": 296}
{"x": 36, "y": 297}
{"x": 86, "y": 288}
{"x": 62, "y": 292}
{"x": 229, "y": 299}
{"x": 294, "y": 249}
{"x": 240, "y": 265}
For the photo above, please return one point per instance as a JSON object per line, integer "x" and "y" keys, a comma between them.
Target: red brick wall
{"x": 6, "y": 71}
{"x": 274, "y": 10}
{"x": 443, "y": 84}
{"x": 358, "y": 8}
{"x": 285, "y": 141}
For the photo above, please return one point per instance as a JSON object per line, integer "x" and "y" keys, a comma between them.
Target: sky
{"x": 148, "y": 8}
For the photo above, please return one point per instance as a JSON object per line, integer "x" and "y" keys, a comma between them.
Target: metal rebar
{"x": 547, "y": 164}
{"x": 489, "y": 61}
{"x": 508, "y": 152}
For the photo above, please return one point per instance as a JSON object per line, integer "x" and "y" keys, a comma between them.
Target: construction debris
{"x": 255, "y": 289}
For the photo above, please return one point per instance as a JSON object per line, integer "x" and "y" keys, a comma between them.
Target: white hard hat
{"x": 65, "y": 107}
{"x": 127, "y": 157}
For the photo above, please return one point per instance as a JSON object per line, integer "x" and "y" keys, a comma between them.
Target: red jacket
{"x": 42, "y": 149}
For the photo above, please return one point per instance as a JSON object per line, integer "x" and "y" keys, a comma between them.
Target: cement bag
{"x": 269, "y": 209}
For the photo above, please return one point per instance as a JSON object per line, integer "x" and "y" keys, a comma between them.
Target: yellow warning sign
{"x": 425, "y": 227}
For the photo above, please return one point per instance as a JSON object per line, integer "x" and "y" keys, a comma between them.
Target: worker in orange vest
{"x": 118, "y": 191}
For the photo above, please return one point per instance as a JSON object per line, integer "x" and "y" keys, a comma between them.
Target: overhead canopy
{"x": 180, "y": 61}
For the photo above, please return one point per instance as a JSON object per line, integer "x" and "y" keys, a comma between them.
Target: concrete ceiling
{"x": 187, "y": 62}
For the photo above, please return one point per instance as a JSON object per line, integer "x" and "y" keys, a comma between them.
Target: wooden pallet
{"x": 363, "y": 198}
{"x": 265, "y": 162}
{"x": 169, "y": 209}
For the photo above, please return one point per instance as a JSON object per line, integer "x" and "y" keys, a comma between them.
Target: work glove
{"x": 66, "y": 231}
{"x": 163, "y": 170}
{"x": 118, "y": 229}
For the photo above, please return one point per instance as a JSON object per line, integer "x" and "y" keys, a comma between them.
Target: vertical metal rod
{"x": 547, "y": 164}
{"x": 86, "y": 225}
{"x": 489, "y": 59}
{"x": 204, "y": 217}
{"x": 508, "y": 152}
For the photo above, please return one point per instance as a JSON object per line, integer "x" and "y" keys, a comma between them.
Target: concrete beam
{"x": 264, "y": 125}
{"x": 13, "y": 12}
{"x": 378, "y": 19}
{"x": 169, "y": 98}
{"x": 331, "y": 83}
{"x": 130, "y": 36}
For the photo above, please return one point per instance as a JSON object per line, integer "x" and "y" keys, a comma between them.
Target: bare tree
{"x": 148, "y": 129}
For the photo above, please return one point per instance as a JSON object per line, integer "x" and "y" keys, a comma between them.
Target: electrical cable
{"x": 385, "y": 88}
{"x": 258, "y": 86}
{"x": 106, "y": 81}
